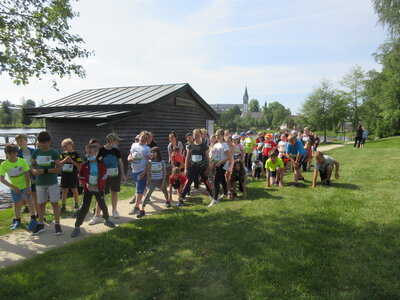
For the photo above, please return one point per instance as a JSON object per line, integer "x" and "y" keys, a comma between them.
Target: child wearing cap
{"x": 17, "y": 170}
{"x": 324, "y": 165}
{"x": 269, "y": 147}
{"x": 110, "y": 155}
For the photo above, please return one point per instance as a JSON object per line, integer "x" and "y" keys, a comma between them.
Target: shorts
{"x": 69, "y": 180}
{"x": 323, "y": 174}
{"x": 301, "y": 160}
{"x": 272, "y": 173}
{"x": 362, "y": 141}
{"x": 16, "y": 197}
{"x": 176, "y": 185}
{"x": 52, "y": 190}
{"x": 113, "y": 184}
{"x": 140, "y": 183}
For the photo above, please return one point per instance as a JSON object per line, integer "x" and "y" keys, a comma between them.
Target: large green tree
{"x": 35, "y": 40}
{"x": 254, "y": 105}
{"x": 275, "y": 114}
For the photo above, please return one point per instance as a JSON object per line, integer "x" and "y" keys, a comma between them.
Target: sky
{"x": 280, "y": 50}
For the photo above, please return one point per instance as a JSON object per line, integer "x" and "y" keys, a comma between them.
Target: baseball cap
{"x": 235, "y": 137}
{"x": 293, "y": 132}
{"x": 269, "y": 136}
{"x": 112, "y": 137}
{"x": 248, "y": 132}
{"x": 243, "y": 133}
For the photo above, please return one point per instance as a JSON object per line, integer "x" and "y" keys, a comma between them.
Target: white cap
{"x": 293, "y": 132}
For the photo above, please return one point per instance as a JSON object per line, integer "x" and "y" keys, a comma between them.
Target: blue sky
{"x": 279, "y": 49}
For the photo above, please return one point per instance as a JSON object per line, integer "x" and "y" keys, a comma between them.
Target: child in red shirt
{"x": 177, "y": 159}
{"x": 269, "y": 147}
{"x": 176, "y": 181}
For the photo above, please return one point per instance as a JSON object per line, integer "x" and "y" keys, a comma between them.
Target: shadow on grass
{"x": 204, "y": 254}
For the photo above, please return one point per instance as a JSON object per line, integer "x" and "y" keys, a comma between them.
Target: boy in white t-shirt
{"x": 257, "y": 168}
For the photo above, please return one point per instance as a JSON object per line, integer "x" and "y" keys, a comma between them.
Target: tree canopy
{"x": 35, "y": 40}
{"x": 254, "y": 105}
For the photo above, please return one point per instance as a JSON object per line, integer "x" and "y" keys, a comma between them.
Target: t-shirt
{"x": 307, "y": 137}
{"x": 198, "y": 155}
{"x": 260, "y": 147}
{"x": 69, "y": 168}
{"x": 256, "y": 165}
{"x": 322, "y": 167}
{"x": 140, "y": 156}
{"x": 282, "y": 146}
{"x": 237, "y": 151}
{"x": 26, "y": 154}
{"x": 219, "y": 153}
{"x": 273, "y": 165}
{"x": 268, "y": 146}
{"x": 359, "y": 132}
{"x": 181, "y": 179}
{"x": 111, "y": 159}
{"x": 249, "y": 144}
{"x": 296, "y": 149}
{"x": 46, "y": 160}
{"x": 178, "y": 159}
{"x": 157, "y": 170}
{"x": 15, "y": 171}
{"x": 365, "y": 134}
{"x": 94, "y": 174}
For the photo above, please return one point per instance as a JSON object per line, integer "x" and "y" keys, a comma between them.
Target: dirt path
{"x": 333, "y": 146}
{"x": 19, "y": 246}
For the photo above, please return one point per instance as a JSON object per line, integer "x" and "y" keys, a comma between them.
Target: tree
{"x": 35, "y": 40}
{"x": 6, "y": 113}
{"x": 388, "y": 12}
{"x": 354, "y": 81}
{"x": 227, "y": 119}
{"x": 25, "y": 119}
{"x": 275, "y": 114}
{"x": 254, "y": 105}
{"x": 319, "y": 110}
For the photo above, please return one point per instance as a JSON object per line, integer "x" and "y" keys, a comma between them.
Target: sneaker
{"x": 38, "y": 229}
{"x": 76, "y": 206}
{"x": 140, "y": 214}
{"x": 328, "y": 182}
{"x": 32, "y": 224}
{"x": 109, "y": 223}
{"x": 25, "y": 210}
{"x": 180, "y": 203}
{"x": 134, "y": 211}
{"x": 76, "y": 232}
{"x": 223, "y": 196}
{"x": 133, "y": 200}
{"x": 17, "y": 224}
{"x": 63, "y": 208}
{"x": 115, "y": 214}
{"x": 57, "y": 229}
{"x": 213, "y": 202}
{"x": 95, "y": 220}
{"x": 168, "y": 204}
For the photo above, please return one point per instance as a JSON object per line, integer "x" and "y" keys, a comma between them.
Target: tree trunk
{"x": 325, "y": 135}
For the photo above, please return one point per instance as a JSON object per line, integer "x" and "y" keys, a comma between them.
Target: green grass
{"x": 339, "y": 242}
{"x": 6, "y": 215}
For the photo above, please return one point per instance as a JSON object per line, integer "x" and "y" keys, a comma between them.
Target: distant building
{"x": 291, "y": 123}
{"x": 224, "y": 107}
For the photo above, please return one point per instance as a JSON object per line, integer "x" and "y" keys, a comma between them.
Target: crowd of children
{"x": 219, "y": 160}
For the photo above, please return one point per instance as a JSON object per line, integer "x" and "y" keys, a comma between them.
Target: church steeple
{"x": 245, "y": 100}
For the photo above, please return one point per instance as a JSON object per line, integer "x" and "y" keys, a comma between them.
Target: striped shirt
{"x": 157, "y": 168}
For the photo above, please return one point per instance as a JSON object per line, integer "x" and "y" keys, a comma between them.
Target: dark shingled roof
{"x": 112, "y": 102}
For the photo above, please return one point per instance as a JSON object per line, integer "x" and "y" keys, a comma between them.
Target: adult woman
{"x": 173, "y": 142}
{"x": 359, "y": 132}
{"x": 196, "y": 165}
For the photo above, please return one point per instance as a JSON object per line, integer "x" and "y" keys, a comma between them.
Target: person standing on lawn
{"x": 357, "y": 140}
{"x": 364, "y": 137}
{"x": 139, "y": 157}
{"x": 324, "y": 165}
{"x": 46, "y": 166}
{"x": 19, "y": 182}
{"x": 249, "y": 146}
{"x": 93, "y": 176}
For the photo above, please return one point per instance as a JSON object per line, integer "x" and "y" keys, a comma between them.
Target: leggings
{"x": 193, "y": 174}
{"x": 220, "y": 178}
{"x": 357, "y": 140}
{"x": 152, "y": 187}
{"x": 87, "y": 199}
{"x": 247, "y": 159}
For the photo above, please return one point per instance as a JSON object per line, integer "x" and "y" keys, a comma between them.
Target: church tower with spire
{"x": 245, "y": 101}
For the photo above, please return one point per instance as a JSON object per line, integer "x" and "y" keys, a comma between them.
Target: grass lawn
{"x": 338, "y": 242}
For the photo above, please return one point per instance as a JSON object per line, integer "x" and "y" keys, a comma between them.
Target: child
{"x": 46, "y": 165}
{"x": 71, "y": 164}
{"x": 139, "y": 157}
{"x": 110, "y": 155}
{"x": 176, "y": 181}
{"x": 19, "y": 182}
{"x": 249, "y": 146}
{"x": 296, "y": 153}
{"x": 257, "y": 168}
{"x": 156, "y": 175}
{"x": 275, "y": 170}
{"x": 26, "y": 152}
{"x": 93, "y": 176}
{"x": 308, "y": 159}
{"x": 269, "y": 147}
{"x": 177, "y": 159}
{"x": 239, "y": 175}
{"x": 282, "y": 150}
{"x": 324, "y": 164}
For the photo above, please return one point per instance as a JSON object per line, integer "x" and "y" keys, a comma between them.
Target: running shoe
{"x": 32, "y": 224}
{"x": 57, "y": 229}
{"x": 109, "y": 223}
{"x": 168, "y": 204}
{"x": 38, "y": 229}
{"x": 140, "y": 214}
{"x": 134, "y": 211}
{"x": 17, "y": 224}
{"x": 213, "y": 202}
{"x": 115, "y": 214}
{"x": 180, "y": 203}
{"x": 95, "y": 220}
{"x": 76, "y": 232}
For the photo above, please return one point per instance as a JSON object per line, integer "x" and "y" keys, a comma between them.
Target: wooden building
{"x": 94, "y": 113}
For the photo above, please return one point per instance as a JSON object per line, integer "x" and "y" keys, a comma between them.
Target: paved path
{"x": 18, "y": 246}
{"x": 332, "y": 146}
